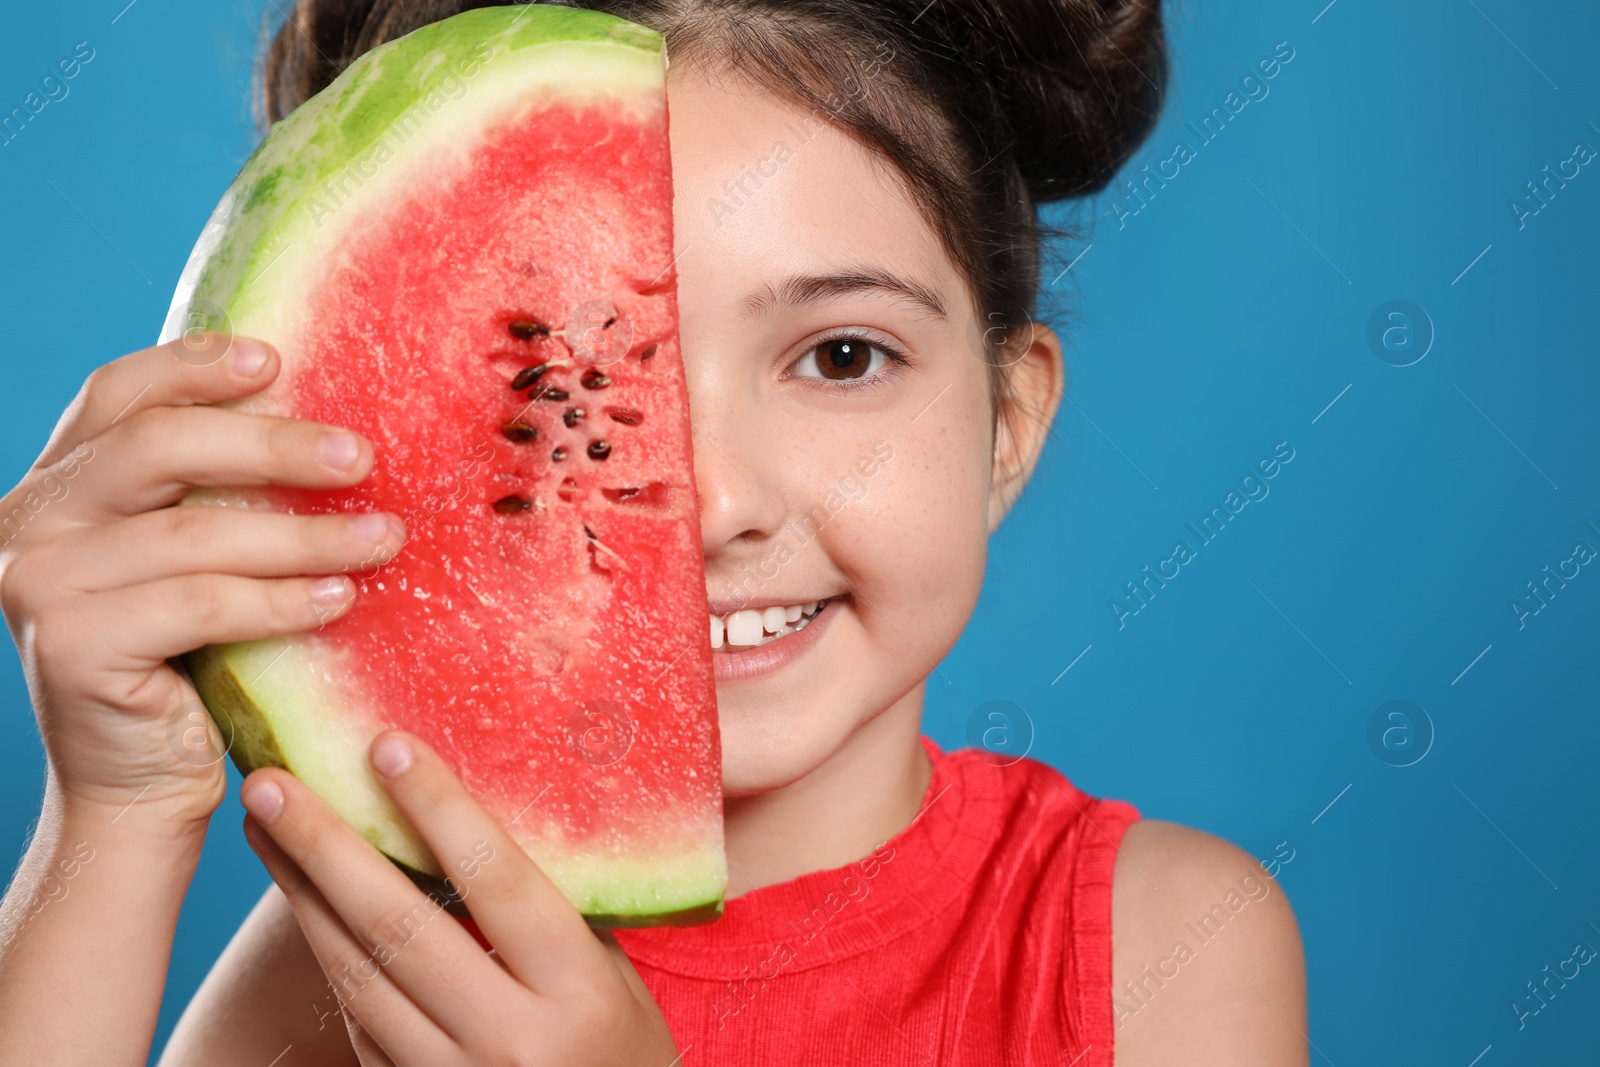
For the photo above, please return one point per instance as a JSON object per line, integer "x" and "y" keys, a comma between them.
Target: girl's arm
{"x": 265, "y": 997}
{"x": 102, "y": 583}
{"x": 86, "y": 931}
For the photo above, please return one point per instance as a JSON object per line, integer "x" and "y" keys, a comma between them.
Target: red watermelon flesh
{"x": 502, "y": 324}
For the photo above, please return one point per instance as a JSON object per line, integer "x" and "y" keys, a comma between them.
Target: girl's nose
{"x": 738, "y": 474}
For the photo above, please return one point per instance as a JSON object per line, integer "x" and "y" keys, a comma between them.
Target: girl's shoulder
{"x": 1185, "y": 902}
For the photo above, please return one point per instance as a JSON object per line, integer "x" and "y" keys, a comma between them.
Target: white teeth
{"x": 752, "y": 627}
{"x": 744, "y": 628}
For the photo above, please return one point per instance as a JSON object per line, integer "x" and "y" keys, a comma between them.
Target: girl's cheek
{"x": 922, "y": 525}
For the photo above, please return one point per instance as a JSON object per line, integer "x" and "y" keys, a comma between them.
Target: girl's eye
{"x": 843, "y": 359}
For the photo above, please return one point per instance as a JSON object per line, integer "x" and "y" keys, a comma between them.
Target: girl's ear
{"x": 1029, "y": 396}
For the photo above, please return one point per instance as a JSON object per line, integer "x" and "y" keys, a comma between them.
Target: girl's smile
{"x": 759, "y": 638}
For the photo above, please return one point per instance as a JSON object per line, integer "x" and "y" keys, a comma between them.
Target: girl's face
{"x": 842, "y": 429}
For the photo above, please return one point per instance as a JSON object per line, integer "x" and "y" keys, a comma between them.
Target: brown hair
{"x": 987, "y": 108}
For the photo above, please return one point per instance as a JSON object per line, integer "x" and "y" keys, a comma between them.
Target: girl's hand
{"x": 101, "y": 581}
{"x": 415, "y": 986}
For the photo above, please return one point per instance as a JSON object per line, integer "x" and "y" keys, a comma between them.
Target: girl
{"x": 890, "y": 902}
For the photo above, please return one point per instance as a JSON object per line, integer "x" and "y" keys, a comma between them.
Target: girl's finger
{"x": 427, "y": 954}
{"x": 196, "y": 369}
{"x": 154, "y": 458}
{"x": 366, "y": 993}
{"x": 151, "y": 622}
{"x": 368, "y": 1051}
{"x": 625, "y": 966}
{"x": 256, "y": 544}
{"x": 538, "y": 934}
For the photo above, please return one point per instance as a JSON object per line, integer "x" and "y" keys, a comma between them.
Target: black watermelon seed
{"x": 528, "y": 375}
{"x": 653, "y": 494}
{"x": 510, "y": 505}
{"x": 599, "y": 449}
{"x": 559, "y": 454}
{"x": 517, "y": 430}
{"x": 573, "y": 416}
{"x": 593, "y": 379}
{"x": 546, "y": 392}
{"x": 527, "y": 329}
{"x": 644, "y": 357}
{"x": 626, "y": 416}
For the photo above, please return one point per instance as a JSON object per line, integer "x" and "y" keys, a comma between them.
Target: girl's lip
{"x": 764, "y": 659}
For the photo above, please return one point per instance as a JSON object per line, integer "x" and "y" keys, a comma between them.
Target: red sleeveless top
{"x": 979, "y": 935}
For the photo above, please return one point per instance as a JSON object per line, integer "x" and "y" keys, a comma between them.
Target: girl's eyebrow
{"x": 807, "y": 288}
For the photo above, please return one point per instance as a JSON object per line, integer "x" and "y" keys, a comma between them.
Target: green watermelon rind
{"x": 225, "y": 675}
{"x": 694, "y": 915}
{"x": 248, "y": 275}
{"x": 277, "y": 192}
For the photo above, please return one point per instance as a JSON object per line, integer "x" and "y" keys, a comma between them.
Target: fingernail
{"x": 264, "y": 800}
{"x": 330, "y": 591}
{"x": 391, "y": 756}
{"x": 373, "y": 526}
{"x": 340, "y": 450}
{"x": 248, "y": 358}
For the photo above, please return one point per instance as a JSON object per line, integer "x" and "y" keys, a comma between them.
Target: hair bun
{"x": 1067, "y": 89}
{"x": 1074, "y": 85}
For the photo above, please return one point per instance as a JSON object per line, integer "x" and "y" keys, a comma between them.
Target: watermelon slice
{"x": 463, "y": 250}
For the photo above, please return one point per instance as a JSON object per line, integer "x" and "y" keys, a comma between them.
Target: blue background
{"x": 1227, "y": 315}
